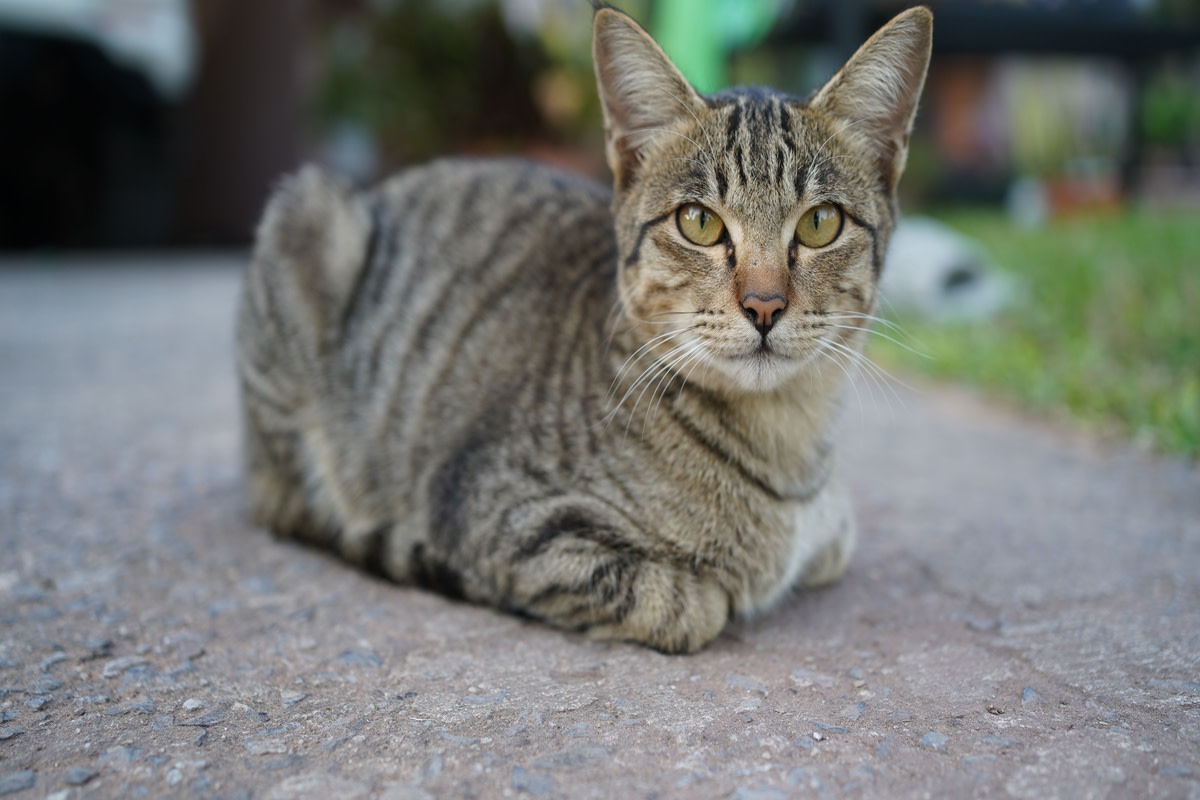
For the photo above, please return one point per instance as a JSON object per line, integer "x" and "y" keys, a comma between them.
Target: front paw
{"x": 670, "y": 610}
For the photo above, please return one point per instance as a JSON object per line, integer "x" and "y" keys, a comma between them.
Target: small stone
{"x": 934, "y": 741}
{"x": 818, "y": 736}
{"x": 50, "y": 660}
{"x": 45, "y": 685}
{"x": 360, "y": 658}
{"x": 214, "y": 717}
{"x": 10, "y": 732}
{"x": 118, "y": 665}
{"x": 78, "y": 776}
{"x": 17, "y": 781}
{"x": 1030, "y": 698}
{"x": 174, "y": 777}
{"x": 38, "y": 702}
{"x": 191, "y": 704}
{"x": 262, "y": 745}
{"x": 533, "y": 782}
{"x": 291, "y": 698}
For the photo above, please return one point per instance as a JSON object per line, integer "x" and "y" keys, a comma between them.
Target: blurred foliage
{"x": 428, "y": 77}
{"x": 1107, "y": 329}
{"x": 1170, "y": 113}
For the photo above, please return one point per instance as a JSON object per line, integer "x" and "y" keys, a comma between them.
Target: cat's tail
{"x": 314, "y": 236}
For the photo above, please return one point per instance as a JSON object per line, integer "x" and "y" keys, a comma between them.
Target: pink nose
{"x": 763, "y": 311}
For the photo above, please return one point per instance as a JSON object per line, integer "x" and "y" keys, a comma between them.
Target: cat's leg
{"x": 581, "y": 575}
{"x": 829, "y": 520}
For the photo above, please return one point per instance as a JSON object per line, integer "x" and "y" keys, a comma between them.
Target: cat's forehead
{"x": 765, "y": 147}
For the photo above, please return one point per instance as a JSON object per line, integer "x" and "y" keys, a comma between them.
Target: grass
{"x": 1107, "y": 327}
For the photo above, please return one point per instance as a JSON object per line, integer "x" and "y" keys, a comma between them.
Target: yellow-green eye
{"x": 700, "y": 225}
{"x": 819, "y": 226}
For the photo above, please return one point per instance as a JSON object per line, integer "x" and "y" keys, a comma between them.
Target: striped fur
{"x": 508, "y": 384}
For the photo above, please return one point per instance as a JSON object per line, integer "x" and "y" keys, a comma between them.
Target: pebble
{"x": 191, "y": 704}
{"x": 17, "y": 781}
{"x": 934, "y": 741}
{"x": 533, "y": 782}
{"x": 1030, "y": 697}
{"x": 262, "y": 745}
{"x": 290, "y": 698}
{"x": 10, "y": 732}
{"x": 45, "y": 685}
{"x": 78, "y": 776}
{"x": 360, "y": 658}
{"x": 214, "y": 717}
{"x": 118, "y": 665}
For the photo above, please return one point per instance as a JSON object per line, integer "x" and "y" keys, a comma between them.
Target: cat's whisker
{"x": 648, "y": 375}
{"x": 638, "y": 354}
{"x": 881, "y": 335}
{"x": 876, "y": 319}
{"x": 662, "y": 384}
{"x": 870, "y": 369}
{"x": 825, "y": 353}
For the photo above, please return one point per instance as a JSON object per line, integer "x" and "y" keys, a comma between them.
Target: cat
{"x": 612, "y": 411}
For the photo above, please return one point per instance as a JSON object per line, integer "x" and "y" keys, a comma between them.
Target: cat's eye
{"x": 700, "y": 225}
{"x": 819, "y": 226}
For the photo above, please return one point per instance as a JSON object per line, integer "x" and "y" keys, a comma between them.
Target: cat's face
{"x": 752, "y": 225}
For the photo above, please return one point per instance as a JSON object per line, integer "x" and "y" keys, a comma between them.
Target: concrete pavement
{"x": 1022, "y": 618}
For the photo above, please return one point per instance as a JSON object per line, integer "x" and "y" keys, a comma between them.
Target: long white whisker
{"x": 639, "y": 353}
{"x": 881, "y": 335}
{"x": 647, "y": 375}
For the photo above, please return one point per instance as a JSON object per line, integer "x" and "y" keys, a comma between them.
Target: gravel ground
{"x": 1022, "y": 618}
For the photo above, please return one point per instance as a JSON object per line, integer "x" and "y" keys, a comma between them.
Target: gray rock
{"x": 78, "y": 776}
{"x": 17, "y": 781}
{"x": 524, "y": 780}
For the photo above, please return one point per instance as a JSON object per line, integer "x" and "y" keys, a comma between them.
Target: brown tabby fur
{"x": 501, "y": 381}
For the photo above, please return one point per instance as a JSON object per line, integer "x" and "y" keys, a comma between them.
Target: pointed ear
{"x": 641, "y": 91}
{"x": 877, "y": 91}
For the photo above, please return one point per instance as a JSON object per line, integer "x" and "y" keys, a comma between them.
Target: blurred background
{"x": 1053, "y": 183}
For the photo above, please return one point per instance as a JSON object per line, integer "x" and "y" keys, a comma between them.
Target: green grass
{"x": 1107, "y": 327}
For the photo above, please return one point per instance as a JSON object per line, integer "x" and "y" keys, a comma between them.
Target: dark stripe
{"x": 372, "y": 555}
{"x": 801, "y": 180}
{"x": 732, "y": 126}
{"x": 877, "y": 253}
{"x": 351, "y": 301}
{"x": 636, "y": 252}
{"x": 433, "y": 573}
{"x": 740, "y": 158}
{"x": 722, "y": 183}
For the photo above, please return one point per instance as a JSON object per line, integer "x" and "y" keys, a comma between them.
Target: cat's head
{"x": 752, "y": 225}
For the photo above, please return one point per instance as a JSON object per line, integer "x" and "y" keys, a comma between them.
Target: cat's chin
{"x": 760, "y": 371}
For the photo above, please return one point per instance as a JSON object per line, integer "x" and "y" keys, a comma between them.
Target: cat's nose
{"x": 762, "y": 310}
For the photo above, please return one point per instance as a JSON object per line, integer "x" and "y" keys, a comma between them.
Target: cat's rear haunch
{"x": 610, "y": 411}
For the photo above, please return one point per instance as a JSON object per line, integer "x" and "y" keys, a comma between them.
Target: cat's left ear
{"x": 641, "y": 91}
{"x": 877, "y": 91}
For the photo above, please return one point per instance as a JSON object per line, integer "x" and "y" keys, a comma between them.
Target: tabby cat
{"x": 612, "y": 411}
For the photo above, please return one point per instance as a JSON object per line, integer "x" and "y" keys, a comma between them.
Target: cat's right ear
{"x": 641, "y": 91}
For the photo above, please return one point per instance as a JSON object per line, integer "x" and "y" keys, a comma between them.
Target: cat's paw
{"x": 828, "y": 564}
{"x": 671, "y": 610}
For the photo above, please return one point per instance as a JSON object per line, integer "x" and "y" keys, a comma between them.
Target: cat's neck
{"x": 782, "y": 435}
